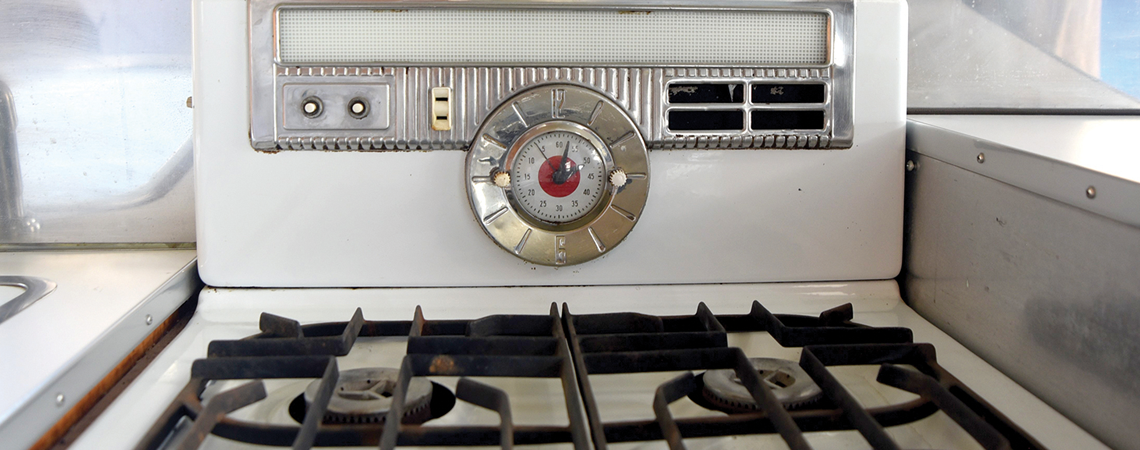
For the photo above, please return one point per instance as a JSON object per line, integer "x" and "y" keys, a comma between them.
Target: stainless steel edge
{"x": 1044, "y": 291}
{"x": 1110, "y": 197}
{"x": 35, "y": 288}
{"x": 40, "y": 413}
{"x": 478, "y": 90}
{"x": 35, "y": 247}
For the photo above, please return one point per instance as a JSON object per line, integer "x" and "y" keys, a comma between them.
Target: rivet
{"x": 59, "y": 399}
{"x": 909, "y": 165}
{"x": 981, "y": 158}
{"x": 1090, "y": 192}
{"x": 149, "y": 319}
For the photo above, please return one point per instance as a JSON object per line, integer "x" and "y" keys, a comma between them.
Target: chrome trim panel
{"x": 478, "y": 90}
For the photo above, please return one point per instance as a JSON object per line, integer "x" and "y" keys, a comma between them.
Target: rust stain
{"x": 442, "y": 364}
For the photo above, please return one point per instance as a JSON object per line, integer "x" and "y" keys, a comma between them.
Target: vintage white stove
{"x": 538, "y": 164}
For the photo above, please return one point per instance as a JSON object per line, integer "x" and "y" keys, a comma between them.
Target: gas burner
{"x": 790, "y": 384}
{"x": 363, "y": 396}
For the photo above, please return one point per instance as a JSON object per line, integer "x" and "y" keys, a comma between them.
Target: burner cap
{"x": 365, "y": 395}
{"x": 791, "y": 385}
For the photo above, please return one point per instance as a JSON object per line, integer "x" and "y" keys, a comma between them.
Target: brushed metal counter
{"x": 56, "y": 350}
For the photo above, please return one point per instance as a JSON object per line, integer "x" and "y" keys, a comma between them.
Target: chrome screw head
{"x": 59, "y": 399}
{"x": 149, "y": 319}
{"x": 1090, "y": 192}
{"x": 981, "y": 158}
{"x": 909, "y": 165}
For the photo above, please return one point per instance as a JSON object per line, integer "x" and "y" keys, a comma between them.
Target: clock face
{"x": 558, "y": 175}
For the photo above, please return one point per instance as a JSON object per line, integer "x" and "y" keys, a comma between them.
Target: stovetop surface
{"x": 622, "y": 401}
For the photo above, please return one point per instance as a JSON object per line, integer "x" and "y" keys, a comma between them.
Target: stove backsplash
{"x": 331, "y": 160}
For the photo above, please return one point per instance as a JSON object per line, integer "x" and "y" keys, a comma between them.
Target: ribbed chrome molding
{"x": 479, "y": 90}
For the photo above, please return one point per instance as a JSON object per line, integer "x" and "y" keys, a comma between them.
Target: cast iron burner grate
{"x": 571, "y": 348}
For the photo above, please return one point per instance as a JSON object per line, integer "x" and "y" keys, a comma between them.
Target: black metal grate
{"x": 571, "y": 348}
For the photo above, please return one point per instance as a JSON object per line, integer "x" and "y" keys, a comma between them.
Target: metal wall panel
{"x": 94, "y": 123}
{"x": 1045, "y": 291}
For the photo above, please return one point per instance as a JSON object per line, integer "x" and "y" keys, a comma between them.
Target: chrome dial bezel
{"x": 534, "y": 112}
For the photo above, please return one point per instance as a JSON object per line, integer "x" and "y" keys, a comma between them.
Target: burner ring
{"x": 789, "y": 383}
{"x": 365, "y": 395}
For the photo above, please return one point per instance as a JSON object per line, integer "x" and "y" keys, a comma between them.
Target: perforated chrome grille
{"x": 469, "y": 36}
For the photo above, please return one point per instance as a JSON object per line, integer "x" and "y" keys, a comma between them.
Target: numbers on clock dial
{"x": 557, "y": 177}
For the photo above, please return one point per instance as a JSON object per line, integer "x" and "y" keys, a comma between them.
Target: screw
{"x": 149, "y": 319}
{"x": 59, "y": 399}
{"x": 1090, "y": 192}
{"x": 981, "y": 158}
{"x": 909, "y": 165}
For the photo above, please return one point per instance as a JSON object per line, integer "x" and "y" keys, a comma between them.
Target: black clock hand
{"x": 563, "y": 172}
{"x": 545, "y": 158}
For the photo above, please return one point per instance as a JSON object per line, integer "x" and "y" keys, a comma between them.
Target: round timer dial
{"x": 558, "y": 174}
